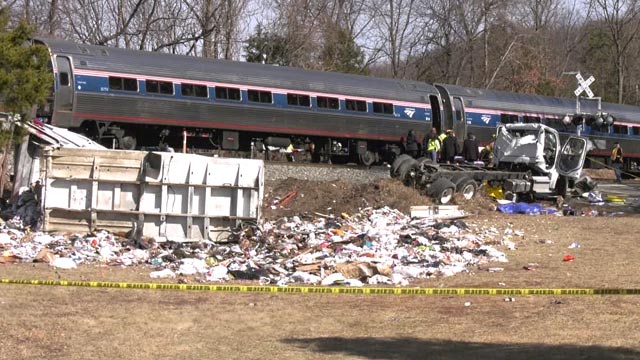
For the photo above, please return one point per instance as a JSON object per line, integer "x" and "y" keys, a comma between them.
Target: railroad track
{"x": 324, "y": 172}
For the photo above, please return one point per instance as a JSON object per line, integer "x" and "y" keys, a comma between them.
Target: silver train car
{"x": 132, "y": 99}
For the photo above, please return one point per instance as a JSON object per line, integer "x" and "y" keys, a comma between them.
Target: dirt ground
{"x": 40, "y": 322}
{"x": 335, "y": 198}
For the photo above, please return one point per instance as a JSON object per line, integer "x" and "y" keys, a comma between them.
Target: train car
{"x": 131, "y": 99}
{"x": 137, "y": 98}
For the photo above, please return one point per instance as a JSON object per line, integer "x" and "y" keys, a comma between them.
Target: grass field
{"x": 41, "y": 322}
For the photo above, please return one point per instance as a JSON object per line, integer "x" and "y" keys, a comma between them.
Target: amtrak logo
{"x": 410, "y": 112}
{"x": 486, "y": 119}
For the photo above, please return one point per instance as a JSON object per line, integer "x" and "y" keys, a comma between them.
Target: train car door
{"x": 63, "y": 103}
{"x": 459, "y": 118}
{"x": 447, "y": 113}
{"x": 436, "y": 114}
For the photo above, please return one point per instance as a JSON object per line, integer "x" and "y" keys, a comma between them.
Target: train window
{"x": 194, "y": 90}
{"x": 122, "y": 83}
{"x": 259, "y": 96}
{"x": 620, "y": 129}
{"x": 328, "y": 102}
{"x": 508, "y": 119}
{"x": 382, "y": 108}
{"x": 531, "y": 119}
{"x": 457, "y": 103}
{"x": 554, "y": 123}
{"x": 64, "y": 79}
{"x": 636, "y": 130}
{"x": 227, "y": 93}
{"x": 298, "y": 100}
{"x": 159, "y": 87}
{"x": 356, "y": 105}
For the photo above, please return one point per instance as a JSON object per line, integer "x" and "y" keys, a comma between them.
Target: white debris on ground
{"x": 381, "y": 246}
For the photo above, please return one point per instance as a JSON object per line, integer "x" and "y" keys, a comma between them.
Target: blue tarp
{"x": 524, "y": 208}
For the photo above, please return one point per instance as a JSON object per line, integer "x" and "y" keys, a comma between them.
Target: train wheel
{"x": 128, "y": 142}
{"x": 442, "y": 190}
{"x": 368, "y": 158}
{"x": 396, "y": 164}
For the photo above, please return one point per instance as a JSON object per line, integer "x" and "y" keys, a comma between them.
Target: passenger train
{"x": 135, "y": 99}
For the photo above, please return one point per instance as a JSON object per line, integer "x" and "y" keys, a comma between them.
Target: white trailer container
{"x": 160, "y": 195}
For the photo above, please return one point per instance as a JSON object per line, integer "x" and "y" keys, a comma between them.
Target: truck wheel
{"x": 458, "y": 179}
{"x": 407, "y": 170}
{"x": 396, "y": 164}
{"x": 467, "y": 188}
{"x": 508, "y": 195}
{"x": 442, "y": 190}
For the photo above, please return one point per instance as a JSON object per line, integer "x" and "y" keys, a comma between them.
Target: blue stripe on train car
{"x": 482, "y": 119}
{"x": 412, "y": 113}
{"x": 91, "y": 83}
{"x": 88, "y": 83}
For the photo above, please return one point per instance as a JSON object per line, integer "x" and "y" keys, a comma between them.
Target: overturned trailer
{"x": 161, "y": 195}
{"x": 529, "y": 161}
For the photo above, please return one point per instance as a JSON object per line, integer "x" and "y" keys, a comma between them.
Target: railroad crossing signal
{"x": 584, "y": 85}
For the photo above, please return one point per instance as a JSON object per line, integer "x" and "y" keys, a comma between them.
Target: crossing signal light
{"x": 609, "y": 119}
{"x": 595, "y": 121}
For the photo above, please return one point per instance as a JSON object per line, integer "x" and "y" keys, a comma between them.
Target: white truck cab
{"x": 536, "y": 148}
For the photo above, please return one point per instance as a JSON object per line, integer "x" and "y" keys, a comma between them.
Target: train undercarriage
{"x": 245, "y": 144}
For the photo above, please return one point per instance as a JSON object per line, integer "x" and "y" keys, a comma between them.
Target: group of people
{"x": 444, "y": 148}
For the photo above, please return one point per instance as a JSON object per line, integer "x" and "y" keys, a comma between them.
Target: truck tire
{"x": 467, "y": 188}
{"x": 405, "y": 170}
{"x": 508, "y": 195}
{"x": 458, "y": 179}
{"x": 396, "y": 164}
{"x": 442, "y": 190}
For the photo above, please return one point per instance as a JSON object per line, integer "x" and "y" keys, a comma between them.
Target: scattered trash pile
{"x": 381, "y": 246}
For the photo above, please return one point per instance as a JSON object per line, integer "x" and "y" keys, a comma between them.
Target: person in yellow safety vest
{"x": 441, "y": 138}
{"x": 432, "y": 147}
{"x": 289, "y": 152}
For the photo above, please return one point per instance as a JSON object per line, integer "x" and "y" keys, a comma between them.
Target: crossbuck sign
{"x": 584, "y": 85}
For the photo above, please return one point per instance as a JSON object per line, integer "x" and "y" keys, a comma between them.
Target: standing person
{"x": 449, "y": 148}
{"x": 486, "y": 155}
{"x": 470, "y": 150}
{"x": 616, "y": 159}
{"x": 412, "y": 144}
{"x": 432, "y": 145}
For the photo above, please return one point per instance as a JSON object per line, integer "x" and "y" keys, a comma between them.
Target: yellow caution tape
{"x": 324, "y": 290}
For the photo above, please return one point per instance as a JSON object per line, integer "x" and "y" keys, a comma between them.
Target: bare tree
{"x": 622, "y": 19}
{"x": 397, "y": 32}
{"x": 42, "y": 14}
{"x": 218, "y": 22}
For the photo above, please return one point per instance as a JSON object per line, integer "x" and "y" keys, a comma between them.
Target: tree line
{"x": 528, "y": 46}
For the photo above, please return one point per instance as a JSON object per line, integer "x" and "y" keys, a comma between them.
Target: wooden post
{"x": 5, "y": 157}
{"x": 184, "y": 141}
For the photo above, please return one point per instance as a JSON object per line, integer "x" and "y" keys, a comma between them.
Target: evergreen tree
{"x": 268, "y": 48}
{"x": 25, "y": 78}
{"x": 340, "y": 53}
